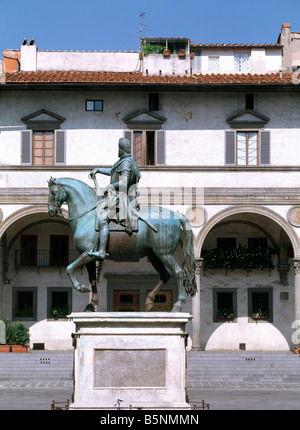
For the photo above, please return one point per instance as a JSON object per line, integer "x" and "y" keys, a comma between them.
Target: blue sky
{"x": 97, "y": 25}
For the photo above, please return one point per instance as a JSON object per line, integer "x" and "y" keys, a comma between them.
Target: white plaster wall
{"x": 87, "y": 61}
{"x": 155, "y": 64}
{"x": 257, "y": 335}
{"x": 273, "y": 60}
{"x": 195, "y": 126}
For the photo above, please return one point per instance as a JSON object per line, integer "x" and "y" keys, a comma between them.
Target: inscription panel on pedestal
{"x": 129, "y": 368}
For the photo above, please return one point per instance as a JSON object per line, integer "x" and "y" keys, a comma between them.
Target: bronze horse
{"x": 158, "y": 246}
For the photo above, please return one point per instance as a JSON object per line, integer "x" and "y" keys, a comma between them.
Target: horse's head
{"x": 57, "y": 197}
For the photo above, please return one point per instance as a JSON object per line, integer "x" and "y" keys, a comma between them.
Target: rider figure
{"x": 119, "y": 197}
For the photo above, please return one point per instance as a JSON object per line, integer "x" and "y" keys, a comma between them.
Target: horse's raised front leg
{"x": 83, "y": 259}
{"x": 171, "y": 263}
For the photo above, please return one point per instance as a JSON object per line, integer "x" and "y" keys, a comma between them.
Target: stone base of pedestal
{"x": 131, "y": 359}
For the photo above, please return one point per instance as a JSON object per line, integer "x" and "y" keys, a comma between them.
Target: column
{"x": 296, "y": 263}
{"x": 196, "y": 309}
{"x": 1, "y": 278}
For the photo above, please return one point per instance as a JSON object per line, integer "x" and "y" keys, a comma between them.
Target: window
{"x": 24, "y": 303}
{"x": 249, "y": 101}
{"x": 226, "y": 242}
{"x": 257, "y": 242}
{"x": 143, "y": 150}
{"x": 260, "y": 304}
{"x": 153, "y": 101}
{"x": 213, "y": 64}
{"x": 126, "y": 300}
{"x": 94, "y": 105}
{"x": 247, "y": 148}
{"x": 28, "y": 253}
{"x": 224, "y": 305}
{"x": 59, "y": 250}
{"x": 59, "y": 302}
{"x": 197, "y": 61}
{"x": 148, "y": 146}
{"x": 241, "y": 62}
{"x": 43, "y": 148}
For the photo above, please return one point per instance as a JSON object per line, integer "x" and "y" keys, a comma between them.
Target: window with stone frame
{"x": 59, "y": 302}
{"x": 224, "y": 305}
{"x": 260, "y": 304}
{"x": 24, "y": 303}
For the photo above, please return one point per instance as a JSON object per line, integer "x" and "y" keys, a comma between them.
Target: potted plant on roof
{"x": 166, "y": 52}
{"x": 17, "y": 336}
{"x": 181, "y": 53}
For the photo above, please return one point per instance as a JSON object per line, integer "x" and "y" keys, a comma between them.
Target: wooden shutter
{"x": 230, "y": 145}
{"x": 59, "y": 147}
{"x": 128, "y": 135}
{"x": 265, "y": 147}
{"x": 160, "y": 147}
{"x": 137, "y": 147}
{"x": 26, "y": 147}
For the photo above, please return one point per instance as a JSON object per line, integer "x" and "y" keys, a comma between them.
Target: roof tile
{"x": 56, "y": 77}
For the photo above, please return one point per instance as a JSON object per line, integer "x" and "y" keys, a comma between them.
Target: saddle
{"x": 115, "y": 225}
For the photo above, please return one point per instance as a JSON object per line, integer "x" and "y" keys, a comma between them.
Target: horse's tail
{"x": 189, "y": 278}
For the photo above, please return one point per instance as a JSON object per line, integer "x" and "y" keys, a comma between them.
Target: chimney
{"x": 285, "y": 40}
{"x": 29, "y": 56}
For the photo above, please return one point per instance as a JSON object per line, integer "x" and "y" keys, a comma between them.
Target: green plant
{"x": 60, "y": 310}
{"x": 226, "y": 313}
{"x": 259, "y": 313}
{"x": 147, "y": 48}
{"x": 17, "y": 334}
{"x": 239, "y": 258}
{"x": 26, "y": 311}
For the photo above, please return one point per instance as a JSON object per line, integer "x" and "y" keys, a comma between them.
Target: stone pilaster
{"x": 196, "y": 308}
{"x": 296, "y": 264}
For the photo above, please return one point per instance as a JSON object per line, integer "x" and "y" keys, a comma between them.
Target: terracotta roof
{"x": 76, "y": 77}
{"x": 236, "y": 45}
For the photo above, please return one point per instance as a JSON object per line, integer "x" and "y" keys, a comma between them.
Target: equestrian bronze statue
{"x": 106, "y": 225}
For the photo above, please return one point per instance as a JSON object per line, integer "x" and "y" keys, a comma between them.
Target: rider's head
{"x": 124, "y": 147}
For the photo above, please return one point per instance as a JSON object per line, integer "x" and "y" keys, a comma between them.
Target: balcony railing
{"x": 45, "y": 258}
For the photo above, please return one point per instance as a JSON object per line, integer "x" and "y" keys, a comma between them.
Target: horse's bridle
{"x": 57, "y": 191}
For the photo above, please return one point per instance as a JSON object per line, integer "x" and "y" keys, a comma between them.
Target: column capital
{"x": 296, "y": 264}
{"x": 199, "y": 265}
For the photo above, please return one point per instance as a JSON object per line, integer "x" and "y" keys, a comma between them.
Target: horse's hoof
{"x": 176, "y": 309}
{"x": 89, "y": 308}
{"x": 83, "y": 289}
{"x": 148, "y": 304}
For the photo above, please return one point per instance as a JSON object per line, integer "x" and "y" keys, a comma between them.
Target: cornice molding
{"x": 173, "y": 196}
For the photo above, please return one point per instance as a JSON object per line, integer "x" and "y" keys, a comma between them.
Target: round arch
{"x": 235, "y": 210}
{"x": 34, "y": 211}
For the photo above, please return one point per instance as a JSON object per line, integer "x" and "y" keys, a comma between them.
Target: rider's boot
{"x": 103, "y": 241}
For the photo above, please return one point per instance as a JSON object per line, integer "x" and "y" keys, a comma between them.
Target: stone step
{"x": 215, "y": 369}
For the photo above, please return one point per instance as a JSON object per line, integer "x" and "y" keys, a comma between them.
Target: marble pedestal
{"x": 136, "y": 357}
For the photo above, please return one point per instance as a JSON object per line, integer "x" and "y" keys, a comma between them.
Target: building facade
{"x": 215, "y": 130}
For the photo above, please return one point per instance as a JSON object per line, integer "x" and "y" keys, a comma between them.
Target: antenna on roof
{"x": 142, "y": 27}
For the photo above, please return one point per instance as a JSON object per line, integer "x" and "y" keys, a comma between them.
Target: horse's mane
{"x": 86, "y": 193}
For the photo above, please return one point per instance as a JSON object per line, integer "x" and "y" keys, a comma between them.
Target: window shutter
{"x": 128, "y": 135}
{"x": 26, "y": 147}
{"x": 160, "y": 148}
{"x": 59, "y": 147}
{"x": 230, "y": 147}
{"x": 264, "y": 147}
